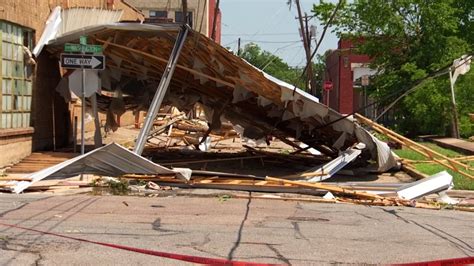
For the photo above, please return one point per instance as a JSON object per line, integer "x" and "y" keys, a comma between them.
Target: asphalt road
{"x": 257, "y": 230}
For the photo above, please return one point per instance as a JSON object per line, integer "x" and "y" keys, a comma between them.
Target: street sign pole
{"x": 83, "y": 109}
{"x": 83, "y": 41}
{"x": 83, "y": 56}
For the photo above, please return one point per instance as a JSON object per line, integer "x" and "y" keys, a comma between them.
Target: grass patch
{"x": 444, "y": 151}
{"x": 460, "y": 181}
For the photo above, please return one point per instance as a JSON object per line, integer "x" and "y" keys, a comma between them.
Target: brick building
{"x": 200, "y": 12}
{"x": 345, "y": 68}
{"x": 32, "y": 115}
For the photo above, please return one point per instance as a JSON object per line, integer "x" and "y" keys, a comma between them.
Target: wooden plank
{"x": 425, "y": 151}
{"x": 331, "y": 188}
{"x": 13, "y": 178}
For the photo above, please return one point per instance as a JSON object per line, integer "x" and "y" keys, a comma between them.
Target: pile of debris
{"x": 225, "y": 98}
{"x": 170, "y": 146}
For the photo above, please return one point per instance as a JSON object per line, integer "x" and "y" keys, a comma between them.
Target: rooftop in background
{"x": 200, "y": 14}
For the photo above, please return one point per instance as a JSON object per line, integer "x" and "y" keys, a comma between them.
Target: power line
{"x": 263, "y": 66}
{"x": 268, "y": 22}
{"x": 295, "y": 56}
{"x": 261, "y": 41}
{"x": 224, "y": 45}
{"x": 262, "y": 34}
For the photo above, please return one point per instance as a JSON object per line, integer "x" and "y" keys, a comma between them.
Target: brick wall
{"x": 343, "y": 97}
{"x": 332, "y": 74}
{"x": 34, "y": 13}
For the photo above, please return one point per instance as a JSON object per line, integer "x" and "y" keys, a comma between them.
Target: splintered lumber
{"x": 333, "y": 189}
{"x": 146, "y": 177}
{"x": 271, "y": 197}
{"x": 14, "y": 178}
{"x": 425, "y": 151}
{"x": 191, "y": 127}
{"x": 199, "y": 73}
{"x": 164, "y": 126}
{"x": 272, "y": 184}
{"x": 213, "y": 160}
{"x": 291, "y": 157}
{"x": 459, "y": 159}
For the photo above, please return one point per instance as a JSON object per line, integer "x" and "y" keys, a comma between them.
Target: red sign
{"x": 327, "y": 85}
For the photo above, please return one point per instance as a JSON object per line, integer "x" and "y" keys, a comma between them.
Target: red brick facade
{"x": 212, "y": 8}
{"x": 343, "y": 97}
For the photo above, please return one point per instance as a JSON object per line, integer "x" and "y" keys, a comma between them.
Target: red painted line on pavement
{"x": 450, "y": 262}
{"x": 188, "y": 258}
{"x": 214, "y": 261}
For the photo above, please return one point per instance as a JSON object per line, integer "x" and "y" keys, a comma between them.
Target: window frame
{"x": 16, "y": 83}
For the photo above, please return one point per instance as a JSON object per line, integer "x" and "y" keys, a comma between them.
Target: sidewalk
{"x": 458, "y": 145}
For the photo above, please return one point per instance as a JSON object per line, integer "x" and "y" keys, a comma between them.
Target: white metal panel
{"x": 435, "y": 183}
{"x": 110, "y": 160}
{"x": 77, "y": 18}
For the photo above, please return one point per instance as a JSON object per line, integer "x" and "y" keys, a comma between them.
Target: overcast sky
{"x": 270, "y": 24}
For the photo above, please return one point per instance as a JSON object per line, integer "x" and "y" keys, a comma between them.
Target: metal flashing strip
{"x": 161, "y": 90}
{"x": 110, "y": 160}
{"x": 50, "y": 31}
{"x": 328, "y": 170}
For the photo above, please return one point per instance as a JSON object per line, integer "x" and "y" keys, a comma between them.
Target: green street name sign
{"x": 80, "y": 48}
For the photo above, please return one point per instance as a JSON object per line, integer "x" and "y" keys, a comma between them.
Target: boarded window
{"x": 178, "y": 17}
{"x": 158, "y": 14}
{"x": 16, "y": 83}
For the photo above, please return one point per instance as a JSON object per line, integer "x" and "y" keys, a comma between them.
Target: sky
{"x": 272, "y": 25}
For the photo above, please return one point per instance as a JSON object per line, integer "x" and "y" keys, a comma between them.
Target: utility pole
{"x": 238, "y": 47}
{"x": 306, "y": 41}
{"x": 308, "y": 34}
{"x": 185, "y": 11}
{"x": 312, "y": 82}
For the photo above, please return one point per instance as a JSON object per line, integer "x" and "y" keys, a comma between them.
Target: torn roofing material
{"x": 226, "y": 85}
{"x": 65, "y": 20}
{"x": 436, "y": 183}
{"x": 109, "y": 160}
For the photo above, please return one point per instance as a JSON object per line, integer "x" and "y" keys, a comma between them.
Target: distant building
{"x": 349, "y": 73}
{"x": 200, "y": 12}
{"x": 32, "y": 115}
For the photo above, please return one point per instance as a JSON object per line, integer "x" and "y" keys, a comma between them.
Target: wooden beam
{"x": 166, "y": 61}
{"x": 425, "y": 151}
{"x": 335, "y": 189}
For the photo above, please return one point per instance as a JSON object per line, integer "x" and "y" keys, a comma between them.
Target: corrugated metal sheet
{"x": 77, "y": 18}
{"x": 110, "y": 160}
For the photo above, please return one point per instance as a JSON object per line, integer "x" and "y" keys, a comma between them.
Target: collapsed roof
{"x": 226, "y": 86}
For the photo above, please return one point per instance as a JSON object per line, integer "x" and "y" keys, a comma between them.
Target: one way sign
{"x": 76, "y": 61}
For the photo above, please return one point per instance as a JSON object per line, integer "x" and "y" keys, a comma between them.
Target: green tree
{"x": 272, "y": 65}
{"x": 408, "y": 40}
